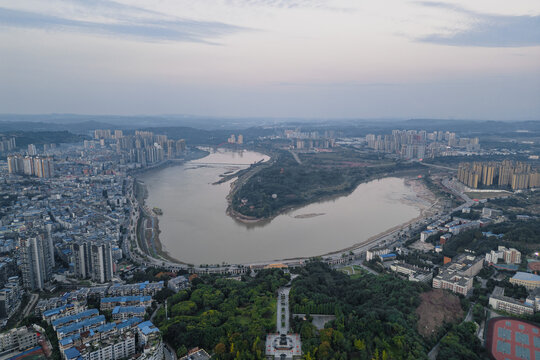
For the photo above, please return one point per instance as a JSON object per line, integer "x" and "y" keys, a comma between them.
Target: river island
{"x": 372, "y": 201}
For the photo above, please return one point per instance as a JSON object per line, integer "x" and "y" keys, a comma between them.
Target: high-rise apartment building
{"x": 102, "y": 262}
{"x": 37, "y": 255}
{"x": 7, "y": 144}
{"x": 516, "y": 175}
{"x": 81, "y": 260}
{"x": 15, "y": 164}
{"x": 31, "y": 165}
{"x": 102, "y": 134}
{"x": 180, "y": 146}
{"x": 92, "y": 261}
{"x": 32, "y": 151}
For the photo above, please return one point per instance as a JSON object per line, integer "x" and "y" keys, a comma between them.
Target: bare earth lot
{"x": 437, "y": 307}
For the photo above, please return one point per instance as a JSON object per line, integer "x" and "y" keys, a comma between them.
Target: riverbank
{"x": 160, "y": 249}
{"x": 425, "y": 201}
{"x": 141, "y": 194}
{"x": 254, "y": 221}
{"x": 188, "y": 235}
{"x": 145, "y": 216}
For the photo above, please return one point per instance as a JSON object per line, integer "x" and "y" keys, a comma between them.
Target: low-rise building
{"x": 147, "y": 332}
{"x": 414, "y": 273}
{"x": 491, "y": 213}
{"x": 530, "y": 281}
{"x": 425, "y": 234}
{"x": 99, "y": 333}
{"x": 10, "y": 297}
{"x": 498, "y": 301}
{"x": 374, "y": 253}
{"x": 18, "y": 339}
{"x": 125, "y": 312}
{"x": 178, "y": 283}
{"x": 465, "y": 226}
{"x": 445, "y": 238}
{"x": 110, "y": 303}
{"x": 387, "y": 257}
{"x": 510, "y": 256}
{"x": 61, "y": 311}
{"x": 196, "y": 354}
{"x": 453, "y": 281}
{"x": 467, "y": 265}
{"x": 458, "y": 274}
{"x": 145, "y": 288}
{"x": 75, "y": 318}
{"x": 81, "y": 326}
{"x": 110, "y": 348}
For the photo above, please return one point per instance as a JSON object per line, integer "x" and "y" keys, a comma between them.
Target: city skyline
{"x": 312, "y": 59}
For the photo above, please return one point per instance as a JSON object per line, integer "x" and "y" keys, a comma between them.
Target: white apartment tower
{"x": 37, "y": 255}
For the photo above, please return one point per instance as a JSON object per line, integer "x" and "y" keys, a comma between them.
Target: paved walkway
{"x": 33, "y": 300}
{"x": 296, "y": 157}
{"x": 282, "y": 321}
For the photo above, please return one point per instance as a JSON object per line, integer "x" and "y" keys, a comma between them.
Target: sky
{"x": 272, "y": 58}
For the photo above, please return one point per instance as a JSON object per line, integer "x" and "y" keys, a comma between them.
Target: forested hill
{"x": 375, "y": 315}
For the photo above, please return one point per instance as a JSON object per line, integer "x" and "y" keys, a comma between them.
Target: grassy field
{"x": 352, "y": 270}
{"x": 487, "y": 195}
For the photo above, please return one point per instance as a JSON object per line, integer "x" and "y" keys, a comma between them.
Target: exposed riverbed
{"x": 196, "y": 229}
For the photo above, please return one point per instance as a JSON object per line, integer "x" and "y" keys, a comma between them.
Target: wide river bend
{"x": 195, "y": 228}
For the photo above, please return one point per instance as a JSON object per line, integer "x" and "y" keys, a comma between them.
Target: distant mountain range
{"x": 83, "y": 124}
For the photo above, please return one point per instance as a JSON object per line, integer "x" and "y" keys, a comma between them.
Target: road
{"x": 168, "y": 352}
{"x": 438, "y": 166}
{"x": 361, "y": 263}
{"x": 33, "y": 300}
{"x": 450, "y": 186}
{"x": 295, "y": 156}
{"x": 155, "y": 312}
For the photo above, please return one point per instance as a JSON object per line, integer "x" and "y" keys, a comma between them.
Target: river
{"x": 195, "y": 228}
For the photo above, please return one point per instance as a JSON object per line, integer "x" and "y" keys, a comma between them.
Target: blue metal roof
{"x": 526, "y": 276}
{"x": 129, "y": 322}
{"x": 126, "y": 298}
{"x": 129, "y": 309}
{"x": 147, "y": 328}
{"x": 85, "y": 323}
{"x": 58, "y": 310}
{"x": 72, "y": 353}
{"x": 105, "y": 327}
{"x": 76, "y": 317}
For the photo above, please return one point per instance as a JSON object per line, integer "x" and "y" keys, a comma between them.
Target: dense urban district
{"x": 83, "y": 274}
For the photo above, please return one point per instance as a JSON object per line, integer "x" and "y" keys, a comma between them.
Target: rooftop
{"x": 72, "y": 353}
{"x": 129, "y": 309}
{"x": 129, "y": 322}
{"x": 76, "y": 317}
{"x": 526, "y": 276}
{"x": 80, "y": 325}
{"x": 147, "y": 328}
{"x": 125, "y": 299}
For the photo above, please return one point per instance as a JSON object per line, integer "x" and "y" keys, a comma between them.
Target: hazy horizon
{"x": 75, "y": 117}
{"x": 336, "y": 59}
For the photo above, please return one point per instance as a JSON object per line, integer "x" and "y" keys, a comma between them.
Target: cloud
{"x": 138, "y": 24}
{"x": 288, "y": 4}
{"x": 292, "y": 4}
{"x": 487, "y": 30}
{"x": 342, "y": 84}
